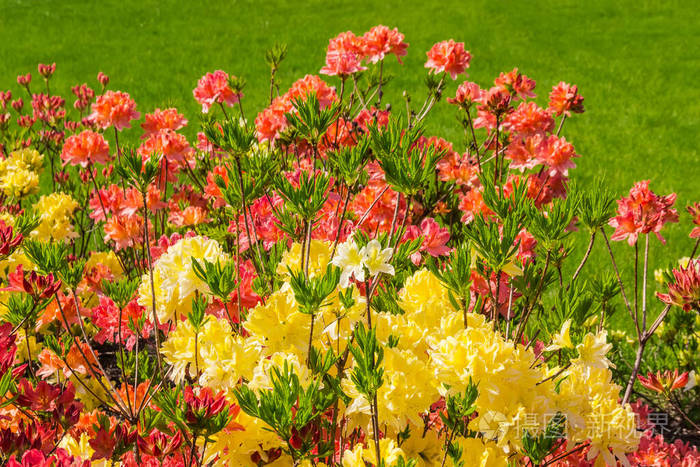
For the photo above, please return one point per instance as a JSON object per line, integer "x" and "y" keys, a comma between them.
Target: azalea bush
{"x": 323, "y": 283}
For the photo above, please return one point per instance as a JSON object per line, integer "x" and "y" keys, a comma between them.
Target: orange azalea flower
{"x": 114, "y": 108}
{"x": 565, "y": 99}
{"x": 643, "y": 211}
{"x": 168, "y": 119}
{"x": 85, "y": 148}
{"x": 128, "y": 391}
{"x": 380, "y": 40}
{"x": 449, "y": 57}
{"x": 125, "y": 231}
{"x": 516, "y": 83}
{"x": 78, "y": 363}
{"x": 664, "y": 382}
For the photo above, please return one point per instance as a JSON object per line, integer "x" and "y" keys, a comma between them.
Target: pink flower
{"x": 449, "y": 57}
{"x": 103, "y": 79}
{"x": 467, "y": 94}
{"x": 380, "y": 40}
{"x": 85, "y": 148}
{"x": 214, "y": 88}
{"x": 565, "y": 99}
{"x": 168, "y": 119}
{"x": 642, "y": 212}
{"x": 114, "y": 108}
{"x": 47, "y": 70}
{"x": 343, "y": 55}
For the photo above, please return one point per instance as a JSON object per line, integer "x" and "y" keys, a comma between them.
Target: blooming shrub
{"x": 326, "y": 284}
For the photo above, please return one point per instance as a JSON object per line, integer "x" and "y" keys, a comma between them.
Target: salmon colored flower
{"x": 684, "y": 290}
{"x": 519, "y": 85}
{"x": 171, "y": 145}
{"x": 114, "y": 108}
{"x": 467, "y": 94}
{"x": 434, "y": 238}
{"x": 557, "y": 153}
{"x": 449, "y": 57}
{"x": 214, "y": 88}
{"x": 309, "y": 84}
{"x": 85, "y": 148}
{"x": 343, "y": 55}
{"x": 168, "y": 119}
{"x": 642, "y": 212}
{"x": 380, "y": 40}
{"x": 664, "y": 382}
{"x": 529, "y": 118}
{"x": 565, "y": 99}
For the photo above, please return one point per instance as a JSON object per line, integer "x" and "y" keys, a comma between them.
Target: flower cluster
{"x": 327, "y": 284}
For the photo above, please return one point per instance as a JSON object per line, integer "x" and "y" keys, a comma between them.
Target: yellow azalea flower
{"x": 319, "y": 255}
{"x": 377, "y": 259}
{"x": 349, "y": 259}
{"x": 56, "y": 212}
{"x": 175, "y": 282}
{"x": 81, "y": 449}
{"x": 593, "y": 349}
{"x": 213, "y": 355}
{"x": 353, "y": 458}
{"x": 29, "y": 158}
{"x": 561, "y": 340}
{"x": 389, "y": 451}
{"x": 19, "y": 182}
{"x": 479, "y": 453}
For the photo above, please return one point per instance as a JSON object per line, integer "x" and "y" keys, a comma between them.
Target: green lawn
{"x": 636, "y": 63}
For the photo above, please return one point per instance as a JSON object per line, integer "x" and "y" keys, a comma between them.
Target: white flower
{"x": 376, "y": 259}
{"x": 349, "y": 259}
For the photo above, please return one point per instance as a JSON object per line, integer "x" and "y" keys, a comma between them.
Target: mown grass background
{"x": 635, "y": 62}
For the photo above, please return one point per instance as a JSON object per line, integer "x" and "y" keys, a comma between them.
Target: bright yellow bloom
{"x": 479, "y": 453}
{"x": 56, "y": 212}
{"x": 175, "y": 282}
{"x": 319, "y": 255}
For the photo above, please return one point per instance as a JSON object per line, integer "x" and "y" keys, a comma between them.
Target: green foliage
{"x": 597, "y": 205}
{"x": 221, "y": 279}
{"x": 407, "y": 167}
{"x": 455, "y": 275}
{"x": 540, "y": 446}
{"x": 367, "y": 375}
{"x": 310, "y": 120}
{"x": 306, "y": 199}
{"x": 121, "y": 290}
{"x": 138, "y": 173}
{"x": 289, "y": 408}
{"x": 48, "y": 257}
{"x": 229, "y": 135}
{"x": 458, "y": 408}
{"x": 312, "y": 293}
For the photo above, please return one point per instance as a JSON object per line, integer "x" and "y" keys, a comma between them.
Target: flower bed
{"x": 325, "y": 284}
